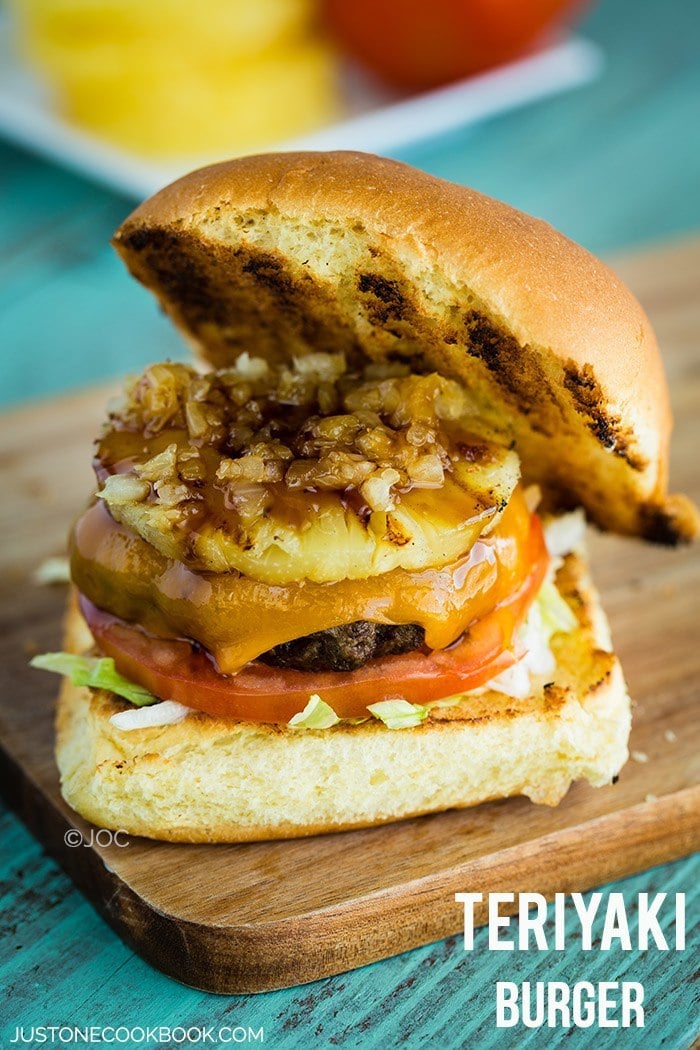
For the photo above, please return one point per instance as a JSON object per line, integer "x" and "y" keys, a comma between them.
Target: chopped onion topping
{"x": 124, "y": 488}
{"x": 310, "y": 425}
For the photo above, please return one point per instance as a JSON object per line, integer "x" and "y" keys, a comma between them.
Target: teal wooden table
{"x": 614, "y": 165}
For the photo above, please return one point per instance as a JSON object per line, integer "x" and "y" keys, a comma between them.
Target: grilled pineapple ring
{"x": 303, "y": 473}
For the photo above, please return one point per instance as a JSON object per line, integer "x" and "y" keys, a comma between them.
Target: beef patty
{"x": 345, "y": 648}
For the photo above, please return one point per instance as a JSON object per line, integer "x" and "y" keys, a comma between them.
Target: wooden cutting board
{"x": 255, "y": 917}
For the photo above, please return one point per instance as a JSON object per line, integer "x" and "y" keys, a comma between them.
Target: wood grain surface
{"x": 261, "y": 916}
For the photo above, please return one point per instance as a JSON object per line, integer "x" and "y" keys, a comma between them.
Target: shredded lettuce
{"x": 565, "y": 532}
{"x": 548, "y": 614}
{"x": 167, "y": 713}
{"x": 98, "y": 672}
{"x": 316, "y": 715}
{"x": 556, "y": 614}
{"x": 398, "y": 714}
{"x": 395, "y": 714}
{"x": 447, "y": 701}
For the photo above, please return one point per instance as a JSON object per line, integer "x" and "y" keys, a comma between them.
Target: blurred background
{"x": 583, "y": 113}
{"x": 167, "y": 79}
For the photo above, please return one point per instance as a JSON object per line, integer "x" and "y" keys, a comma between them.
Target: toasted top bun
{"x": 282, "y": 254}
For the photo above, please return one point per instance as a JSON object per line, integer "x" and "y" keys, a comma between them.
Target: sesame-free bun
{"x": 209, "y": 779}
{"x": 282, "y": 254}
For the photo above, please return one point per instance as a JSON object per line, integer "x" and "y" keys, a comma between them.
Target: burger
{"x": 335, "y": 575}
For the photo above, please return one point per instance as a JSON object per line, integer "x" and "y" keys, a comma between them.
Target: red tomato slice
{"x": 417, "y": 44}
{"x": 178, "y": 670}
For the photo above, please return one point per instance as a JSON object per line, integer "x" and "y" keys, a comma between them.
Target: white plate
{"x": 378, "y": 122}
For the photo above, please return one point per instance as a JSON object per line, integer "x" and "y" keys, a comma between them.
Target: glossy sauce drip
{"x": 236, "y": 618}
{"x": 454, "y": 509}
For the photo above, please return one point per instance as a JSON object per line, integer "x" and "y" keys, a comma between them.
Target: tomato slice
{"x": 418, "y": 45}
{"x": 174, "y": 669}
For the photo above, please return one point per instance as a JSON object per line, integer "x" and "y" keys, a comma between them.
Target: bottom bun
{"x": 209, "y": 779}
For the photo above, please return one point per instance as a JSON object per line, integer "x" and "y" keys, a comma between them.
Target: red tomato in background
{"x": 420, "y": 44}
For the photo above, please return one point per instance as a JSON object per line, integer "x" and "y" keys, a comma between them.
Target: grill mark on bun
{"x": 269, "y": 271}
{"x": 184, "y": 275}
{"x": 234, "y": 295}
{"x": 523, "y": 377}
{"x": 271, "y": 287}
{"x": 385, "y": 301}
{"x": 590, "y": 403}
{"x": 398, "y": 324}
{"x": 516, "y": 370}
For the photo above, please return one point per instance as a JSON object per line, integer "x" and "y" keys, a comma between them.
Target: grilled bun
{"x": 283, "y": 254}
{"x": 215, "y": 780}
